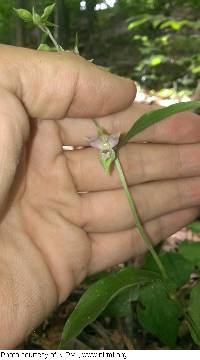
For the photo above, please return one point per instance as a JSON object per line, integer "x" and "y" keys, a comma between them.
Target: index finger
{"x": 54, "y": 85}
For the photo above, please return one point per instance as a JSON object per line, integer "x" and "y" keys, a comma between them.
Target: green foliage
{"x": 194, "y": 313}
{"x": 47, "y": 12}
{"x": 24, "y": 14}
{"x": 191, "y": 252}
{"x": 195, "y": 226}
{"x": 121, "y": 305}
{"x": 45, "y": 47}
{"x": 176, "y": 266}
{"x": 159, "y": 314}
{"x": 155, "y": 116}
{"x": 98, "y": 296}
{"x": 153, "y": 35}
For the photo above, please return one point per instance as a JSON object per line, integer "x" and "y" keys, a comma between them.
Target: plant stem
{"x": 48, "y": 32}
{"x": 138, "y": 223}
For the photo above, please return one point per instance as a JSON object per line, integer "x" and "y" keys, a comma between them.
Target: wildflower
{"x": 105, "y": 144}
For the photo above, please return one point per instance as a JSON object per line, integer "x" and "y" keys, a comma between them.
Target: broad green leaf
{"x": 190, "y": 251}
{"x": 24, "y": 14}
{"x": 47, "y": 12}
{"x": 159, "y": 314}
{"x": 195, "y": 226}
{"x": 98, "y": 296}
{"x": 177, "y": 267}
{"x": 194, "y": 313}
{"x": 155, "y": 116}
{"x": 120, "y": 306}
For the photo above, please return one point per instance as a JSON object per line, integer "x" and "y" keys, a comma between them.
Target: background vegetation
{"x": 155, "y": 42}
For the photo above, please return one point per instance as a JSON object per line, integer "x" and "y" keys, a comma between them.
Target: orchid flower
{"x": 105, "y": 144}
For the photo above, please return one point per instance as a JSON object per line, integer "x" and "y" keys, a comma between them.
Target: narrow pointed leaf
{"x": 155, "y": 116}
{"x": 47, "y": 12}
{"x": 98, "y": 296}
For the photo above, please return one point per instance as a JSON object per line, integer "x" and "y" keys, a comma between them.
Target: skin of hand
{"x": 62, "y": 218}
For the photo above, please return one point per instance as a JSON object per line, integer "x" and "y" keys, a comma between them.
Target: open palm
{"x": 62, "y": 218}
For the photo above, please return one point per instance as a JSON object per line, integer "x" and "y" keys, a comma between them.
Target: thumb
{"x": 56, "y": 85}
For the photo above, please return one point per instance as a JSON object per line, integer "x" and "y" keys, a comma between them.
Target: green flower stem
{"x": 138, "y": 223}
{"x": 48, "y": 32}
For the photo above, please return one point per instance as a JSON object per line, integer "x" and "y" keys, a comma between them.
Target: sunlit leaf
{"x": 138, "y": 22}
{"x": 99, "y": 295}
{"x": 155, "y": 116}
{"x": 156, "y": 60}
{"x": 195, "y": 69}
{"x": 174, "y": 24}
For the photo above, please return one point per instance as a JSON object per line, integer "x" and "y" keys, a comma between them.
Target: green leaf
{"x": 155, "y": 116}
{"x": 45, "y": 47}
{"x": 98, "y": 296}
{"x": 194, "y": 313}
{"x": 36, "y": 18}
{"x": 174, "y": 24}
{"x": 24, "y": 14}
{"x": 138, "y": 22}
{"x": 120, "y": 306}
{"x": 195, "y": 226}
{"x": 157, "y": 60}
{"x": 47, "y": 12}
{"x": 159, "y": 314}
{"x": 190, "y": 251}
{"x": 176, "y": 266}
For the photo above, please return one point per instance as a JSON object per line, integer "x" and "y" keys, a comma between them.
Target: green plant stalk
{"x": 46, "y": 30}
{"x": 138, "y": 223}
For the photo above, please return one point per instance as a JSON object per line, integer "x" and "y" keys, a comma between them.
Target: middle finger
{"x": 141, "y": 163}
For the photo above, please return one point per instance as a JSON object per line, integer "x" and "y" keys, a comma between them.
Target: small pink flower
{"x": 104, "y": 142}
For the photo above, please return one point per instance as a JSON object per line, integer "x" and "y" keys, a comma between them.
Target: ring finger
{"x": 108, "y": 211}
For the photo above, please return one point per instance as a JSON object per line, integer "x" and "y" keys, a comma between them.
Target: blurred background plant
{"x": 156, "y": 42}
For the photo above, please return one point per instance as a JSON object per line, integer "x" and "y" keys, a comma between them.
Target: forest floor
{"x": 112, "y": 333}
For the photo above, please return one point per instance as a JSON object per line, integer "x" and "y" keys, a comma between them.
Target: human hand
{"x": 52, "y": 234}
